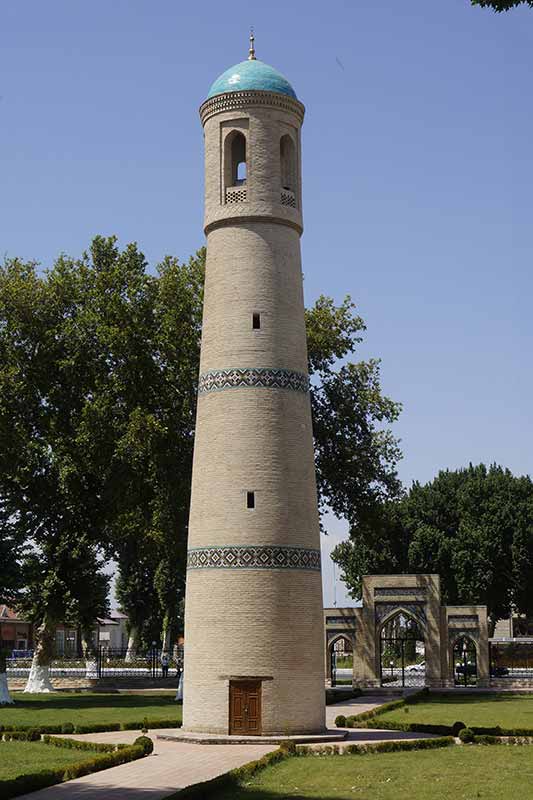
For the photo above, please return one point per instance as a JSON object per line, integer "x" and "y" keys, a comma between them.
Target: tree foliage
{"x": 47, "y": 486}
{"x": 502, "y": 5}
{"x": 97, "y": 412}
{"x": 356, "y": 454}
{"x": 473, "y": 526}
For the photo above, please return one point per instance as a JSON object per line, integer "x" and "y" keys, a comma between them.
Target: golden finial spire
{"x": 251, "y": 51}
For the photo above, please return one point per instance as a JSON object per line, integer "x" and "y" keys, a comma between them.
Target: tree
{"x": 98, "y": 401}
{"x": 47, "y": 487}
{"x": 502, "y": 5}
{"x": 149, "y": 331}
{"x": 473, "y": 526}
{"x": 12, "y": 548}
{"x": 150, "y": 473}
{"x": 356, "y": 455}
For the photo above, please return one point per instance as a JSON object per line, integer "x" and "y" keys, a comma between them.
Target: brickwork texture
{"x": 245, "y": 622}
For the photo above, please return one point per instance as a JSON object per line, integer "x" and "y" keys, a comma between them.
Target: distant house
{"x": 515, "y": 626}
{"x": 111, "y": 632}
{"x": 17, "y": 633}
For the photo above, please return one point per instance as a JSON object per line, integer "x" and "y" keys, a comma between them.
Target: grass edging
{"x": 119, "y": 754}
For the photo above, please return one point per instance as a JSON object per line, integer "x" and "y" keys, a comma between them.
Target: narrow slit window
{"x": 250, "y": 499}
{"x": 256, "y": 321}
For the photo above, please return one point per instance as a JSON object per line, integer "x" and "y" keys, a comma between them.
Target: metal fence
{"x": 104, "y": 662}
{"x": 511, "y": 658}
{"x": 402, "y": 661}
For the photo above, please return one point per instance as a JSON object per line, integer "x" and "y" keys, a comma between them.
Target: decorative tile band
{"x": 253, "y": 557}
{"x": 252, "y": 377}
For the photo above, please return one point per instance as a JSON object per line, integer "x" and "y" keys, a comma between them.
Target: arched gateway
{"x": 402, "y": 636}
{"x": 402, "y": 650}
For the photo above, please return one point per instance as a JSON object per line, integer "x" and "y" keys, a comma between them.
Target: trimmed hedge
{"x": 497, "y": 731}
{"x": 136, "y": 725}
{"x": 21, "y": 728}
{"x": 75, "y": 744}
{"x": 150, "y": 723}
{"x": 388, "y": 747}
{"x": 97, "y": 728}
{"x": 48, "y": 777}
{"x": 21, "y": 736}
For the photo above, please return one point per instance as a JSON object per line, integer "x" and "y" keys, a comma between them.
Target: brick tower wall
{"x": 254, "y": 593}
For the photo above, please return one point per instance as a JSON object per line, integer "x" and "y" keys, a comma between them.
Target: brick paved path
{"x": 367, "y": 735}
{"x": 172, "y": 766}
{"x": 175, "y": 765}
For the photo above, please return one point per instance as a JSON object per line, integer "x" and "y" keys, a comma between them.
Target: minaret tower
{"x": 254, "y": 660}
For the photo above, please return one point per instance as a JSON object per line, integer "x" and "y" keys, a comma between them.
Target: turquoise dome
{"x": 249, "y": 75}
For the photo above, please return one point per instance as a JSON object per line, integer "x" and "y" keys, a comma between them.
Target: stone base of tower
{"x": 287, "y": 708}
{"x": 260, "y": 653}
{"x": 327, "y": 737}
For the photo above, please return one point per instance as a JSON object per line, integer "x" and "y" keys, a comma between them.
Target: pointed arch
{"x": 464, "y": 656}
{"x": 287, "y": 157}
{"x": 235, "y": 159}
{"x": 402, "y": 611}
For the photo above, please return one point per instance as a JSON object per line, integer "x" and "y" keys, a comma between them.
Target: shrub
{"x": 146, "y": 743}
{"x": 486, "y": 739}
{"x": 67, "y": 727}
{"x": 288, "y": 747}
{"x": 457, "y": 727}
{"x": 340, "y": 721}
{"x": 466, "y": 735}
{"x": 31, "y": 735}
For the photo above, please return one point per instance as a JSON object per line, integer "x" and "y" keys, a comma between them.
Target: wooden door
{"x": 245, "y": 708}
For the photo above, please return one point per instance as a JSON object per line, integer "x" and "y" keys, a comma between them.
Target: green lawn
{"x": 487, "y": 710}
{"x": 88, "y": 708}
{"x": 20, "y": 758}
{"x": 464, "y": 773}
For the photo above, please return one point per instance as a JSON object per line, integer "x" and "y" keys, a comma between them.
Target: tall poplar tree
{"x": 47, "y": 487}
{"x": 97, "y": 413}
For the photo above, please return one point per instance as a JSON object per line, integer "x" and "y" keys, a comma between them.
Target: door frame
{"x": 254, "y": 684}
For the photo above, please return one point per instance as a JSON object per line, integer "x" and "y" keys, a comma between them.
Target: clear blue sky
{"x": 418, "y": 176}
